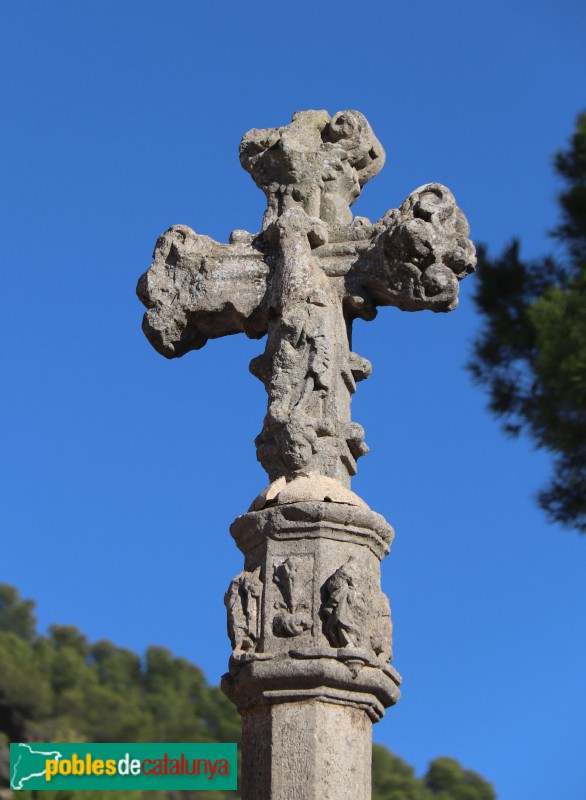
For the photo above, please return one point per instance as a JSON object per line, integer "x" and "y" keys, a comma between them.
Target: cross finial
{"x": 316, "y": 162}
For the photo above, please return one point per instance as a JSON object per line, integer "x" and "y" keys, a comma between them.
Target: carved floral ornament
{"x": 294, "y": 577}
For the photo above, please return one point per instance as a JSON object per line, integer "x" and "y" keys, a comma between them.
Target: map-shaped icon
{"x": 30, "y": 763}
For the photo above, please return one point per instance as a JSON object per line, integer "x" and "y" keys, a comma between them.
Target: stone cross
{"x": 310, "y": 628}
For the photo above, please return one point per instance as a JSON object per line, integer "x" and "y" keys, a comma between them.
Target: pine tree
{"x": 531, "y": 353}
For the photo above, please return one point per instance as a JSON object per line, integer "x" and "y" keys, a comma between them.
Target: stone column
{"x": 310, "y": 628}
{"x": 311, "y": 632}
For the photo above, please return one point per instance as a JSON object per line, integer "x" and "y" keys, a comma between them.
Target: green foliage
{"x": 393, "y": 779}
{"x": 447, "y": 780}
{"x": 16, "y": 615}
{"x": 61, "y": 688}
{"x": 531, "y": 354}
{"x": 25, "y": 692}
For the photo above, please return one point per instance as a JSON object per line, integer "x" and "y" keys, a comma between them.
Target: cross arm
{"x": 198, "y": 289}
{"x": 415, "y": 258}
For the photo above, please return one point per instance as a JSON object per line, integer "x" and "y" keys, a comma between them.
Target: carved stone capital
{"x": 324, "y": 625}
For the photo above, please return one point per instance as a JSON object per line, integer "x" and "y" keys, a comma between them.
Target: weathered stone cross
{"x": 309, "y": 625}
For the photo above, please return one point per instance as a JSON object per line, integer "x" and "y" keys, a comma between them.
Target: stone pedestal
{"x": 311, "y": 631}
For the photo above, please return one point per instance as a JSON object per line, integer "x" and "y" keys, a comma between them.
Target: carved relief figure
{"x": 294, "y": 612}
{"x": 242, "y": 601}
{"x": 382, "y": 639}
{"x": 345, "y": 611}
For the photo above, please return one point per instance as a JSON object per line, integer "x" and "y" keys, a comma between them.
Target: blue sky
{"x": 121, "y": 472}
